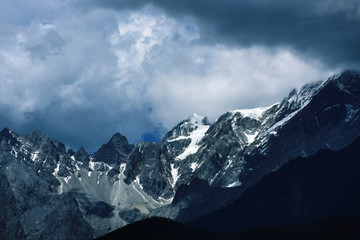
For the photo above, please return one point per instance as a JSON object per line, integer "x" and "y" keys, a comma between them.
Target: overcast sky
{"x": 81, "y": 70}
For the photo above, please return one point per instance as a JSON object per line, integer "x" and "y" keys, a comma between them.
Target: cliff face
{"x": 196, "y": 168}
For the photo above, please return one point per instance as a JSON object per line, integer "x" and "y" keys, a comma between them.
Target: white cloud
{"x": 131, "y": 71}
{"x": 230, "y": 79}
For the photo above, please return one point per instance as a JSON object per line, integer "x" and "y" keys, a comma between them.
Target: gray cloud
{"x": 324, "y": 29}
{"x": 80, "y": 72}
{"x": 51, "y": 43}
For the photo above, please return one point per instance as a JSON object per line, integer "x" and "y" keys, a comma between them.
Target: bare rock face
{"x": 196, "y": 168}
{"x": 146, "y": 164}
{"x": 32, "y": 210}
{"x": 244, "y": 145}
{"x": 10, "y": 222}
{"x": 115, "y": 151}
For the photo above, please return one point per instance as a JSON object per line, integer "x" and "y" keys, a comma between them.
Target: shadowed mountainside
{"x": 330, "y": 228}
{"x": 301, "y": 191}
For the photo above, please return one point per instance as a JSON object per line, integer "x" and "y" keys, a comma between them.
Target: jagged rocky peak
{"x": 237, "y": 150}
{"x": 60, "y": 147}
{"x": 299, "y": 97}
{"x": 348, "y": 81}
{"x": 205, "y": 121}
{"x": 8, "y": 138}
{"x": 186, "y": 127}
{"x": 144, "y": 153}
{"x": 115, "y": 151}
{"x": 118, "y": 140}
{"x": 36, "y": 137}
{"x": 348, "y": 78}
{"x": 235, "y": 143}
{"x": 241, "y": 126}
{"x": 39, "y": 210}
{"x": 81, "y": 155}
{"x": 41, "y": 143}
{"x": 185, "y": 139}
{"x": 6, "y": 132}
{"x": 249, "y": 123}
{"x": 147, "y": 166}
{"x": 38, "y": 147}
{"x": 296, "y": 100}
{"x": 71, "y": 152}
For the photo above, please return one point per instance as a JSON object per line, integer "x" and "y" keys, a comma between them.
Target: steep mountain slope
{"x": 301, "y": 191}
{"x": 334, "y": 228}
{"x": 101, "y": 193}
{"x": 242, "y": 146}
{"x": 10, "y": 223}
{"x": 115, "y": 151}
{"x": 156, "y": 228}
{"x": 31, "y": 207}
{"x": 196, "y": 168}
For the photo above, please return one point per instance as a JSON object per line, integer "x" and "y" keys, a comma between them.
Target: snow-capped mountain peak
{"x": 122, "y": 183}
{"x": 191, "y": 130}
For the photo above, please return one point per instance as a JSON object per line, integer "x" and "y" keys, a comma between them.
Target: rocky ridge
{"x": 122, "y": 183}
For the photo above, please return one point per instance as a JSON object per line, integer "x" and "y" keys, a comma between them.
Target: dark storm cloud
{"x": 80, "y": 71}
{"x": 322, "y": 29}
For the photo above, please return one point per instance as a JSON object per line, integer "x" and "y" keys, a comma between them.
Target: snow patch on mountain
{"x": 179, "y": 138}
{"x": 137, "y": 180}
{"x": 175, "y": 175}
{"x": 237, "y": 183}
{"x": 14, "y": 152}
{"x": 251, "y": 137}
{"x": 281, "y": 122}
{"x": 56, "y": 170}
{"x": 252, "y": 113}
{"x": 34, "y": 155}
{"x": 194, "y": 166}
{"x": 234, "y": 150}
{"x": 195, "y": 136}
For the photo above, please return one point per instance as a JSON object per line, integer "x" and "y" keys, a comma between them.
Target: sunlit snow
{"x": 66, "y": 179}
{"x": 137, "y": 180}
{"x": 237, "y": 183}
{"x": 195, "y": 136}
{"x": 14, "y": 152}
{"x": 252, "y": 113}
{"x": 194, "y": 166}
{"x": 56, "y": 170}
{"x": 34, "y": 155}
{"x": 174, "y": 174}
{"x": 251, "y": 137}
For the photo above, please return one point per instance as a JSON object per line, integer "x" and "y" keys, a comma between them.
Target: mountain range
{"x": 232, "y": 168}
